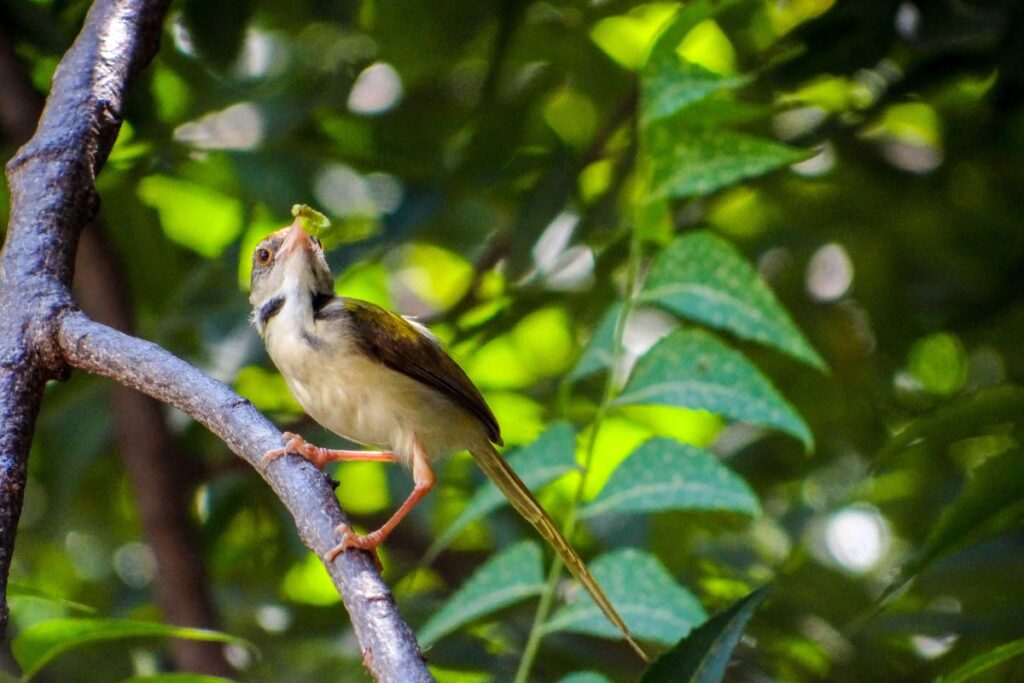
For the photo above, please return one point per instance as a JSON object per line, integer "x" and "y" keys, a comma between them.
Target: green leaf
{"x": 192, "y": 215}
{"x": 597, "y": 355}
{"x": 584, "y": 677}
{"x": 685, "y": 20}
{"x": 177, "y": 678}
{"x": 992, "y": 499}
{"x": 702, "y": 277}
{"x": 692, "y": 369}
{"x": 984, "y": 662}
{"x": 703, "y": 656}
{"x": 37, "y": 645}
{"x": 549, "y": 457}
{"x": 671, "y": 85}
{"x": 508, "y": 577}
{"x": 664, "y": 474}
{"x": 650, "y": 601}
{"x": 692, "y": 161}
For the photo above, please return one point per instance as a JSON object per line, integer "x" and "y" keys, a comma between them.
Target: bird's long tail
{"x": 505, "y": 478}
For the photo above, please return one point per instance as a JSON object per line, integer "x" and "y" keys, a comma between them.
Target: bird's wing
{"x": 409, "y": 348}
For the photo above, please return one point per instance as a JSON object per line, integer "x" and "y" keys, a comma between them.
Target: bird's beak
{"x": 296, "y": 239}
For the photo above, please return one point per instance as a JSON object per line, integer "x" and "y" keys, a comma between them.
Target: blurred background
{"x": 479, "y": 161}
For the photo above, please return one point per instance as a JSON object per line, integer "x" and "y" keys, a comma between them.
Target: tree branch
{"x": 41, "y": 330}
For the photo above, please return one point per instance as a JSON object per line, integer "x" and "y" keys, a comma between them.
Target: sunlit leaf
{"x": 991, "y": 500}
{"x": 667, "y": 475}
{"x": 544, "y": 460}
{"x": 692, "y": 369}
{"x": 363, "y": 487}
{"x": 692, "y": 161}
{"x": 629, "y": 37}
{"x": 702, "y": 277}
{"x": 192, "y": 215}
{"x": 703, "y": 655}
{"x": 984, "y": 662}
{"x": 507, "y": 578}
{"x": 707, "y": 46}
{"x": 267, "y": 390}
{"x": 939, "y": 363}
{"x": 307, "y": 582}
{"x": 37, "y": 645}
{"x": 650, "y": 601}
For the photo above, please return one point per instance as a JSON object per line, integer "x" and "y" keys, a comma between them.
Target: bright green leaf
{"x": 690, "y": 368}
{"x": 267, "y": 390}
{"x": 707, "y": 46}
{"x": 549, "y": 457}
{"x": 650, "y": 601}
{"x": 666, "y": 475}
{"x": 703, "y": 655}
{"x": 691, "y": 161}
{"x": 37, "y": 645}
{"x": 508, "y": 577}
{"x": 192, "y": 215}
{"x": 307, "y": 582}
{"x": 984, "y": 662}
{"x": 939, "y": 362}
{"x": 702, "y": 277}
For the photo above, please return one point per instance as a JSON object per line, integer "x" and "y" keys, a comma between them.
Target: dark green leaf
{"x": 508, "y": 577}
{"x": 691, "y": 161}
{"x": 177, "y": 678}
{"x": 671, "y": 85}
{"x": 702, "y": 277}
{"x": 664, "y": 474}
{"x": 984, "y": 662}
{"x": 584, "y": 677}
{"x": 650, "y": 601}
{"x": 549, "y": 457}
{"x": 692, "y": 369}
{"x": 702, "y": 656}
{"x": 991, "y": 500}
{"x": 37, "y": 645}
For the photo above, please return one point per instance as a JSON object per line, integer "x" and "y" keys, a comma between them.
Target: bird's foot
{"x": 351, "y": 540}
{"x": 293, "y": 443}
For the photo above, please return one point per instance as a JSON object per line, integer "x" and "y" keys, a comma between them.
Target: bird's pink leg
{"x": 321, "y": 456}
{"x": 423, "y": 478}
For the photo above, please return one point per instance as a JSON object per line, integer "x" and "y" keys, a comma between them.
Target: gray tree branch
{"x": 42, "y": 332}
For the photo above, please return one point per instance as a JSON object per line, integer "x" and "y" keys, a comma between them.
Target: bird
{"x": 383, "y": 380}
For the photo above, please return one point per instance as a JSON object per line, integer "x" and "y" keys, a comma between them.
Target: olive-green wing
{"x": 411, "y": 349}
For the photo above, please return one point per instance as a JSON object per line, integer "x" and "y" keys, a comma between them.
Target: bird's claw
{"x": 293, "y": 443}
{"x": 350, "y": 540}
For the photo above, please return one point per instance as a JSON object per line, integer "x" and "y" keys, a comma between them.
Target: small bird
{"x": 377, "y": 378}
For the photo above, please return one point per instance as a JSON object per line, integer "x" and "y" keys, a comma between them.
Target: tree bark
{"x": 42, "y": 332}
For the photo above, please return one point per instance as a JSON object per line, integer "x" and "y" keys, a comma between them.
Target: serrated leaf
{"x": 664, "y": 474}
{"x": 650, "y": 601}
{"x": 702, "y": 277}
{"x": 508, "y": 577}
{"x": 690, "y": 368}
{"x": 37, "y": 645}
{"x": 549, "y": 457}
{"x": 670, "y": 85}
{"x": 692, "y": 161}
{"x": 991, "y": 500}
{"x": 703, "y": 655}
{"x": 598, "y": 353}
{"x": 983, "y": 662}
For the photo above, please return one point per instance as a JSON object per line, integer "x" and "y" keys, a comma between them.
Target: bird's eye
{"x": 263, "y": 256}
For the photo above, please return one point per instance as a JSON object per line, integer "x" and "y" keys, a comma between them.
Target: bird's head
{"x": 289, "y": 262}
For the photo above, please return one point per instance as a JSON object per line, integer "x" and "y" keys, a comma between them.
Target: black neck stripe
{"x": 270, "y": 309}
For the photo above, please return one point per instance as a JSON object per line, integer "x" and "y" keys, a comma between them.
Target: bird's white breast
{"x": 358, "y": 397}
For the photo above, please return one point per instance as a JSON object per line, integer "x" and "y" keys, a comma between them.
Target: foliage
{"x": 740, "y": 279}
